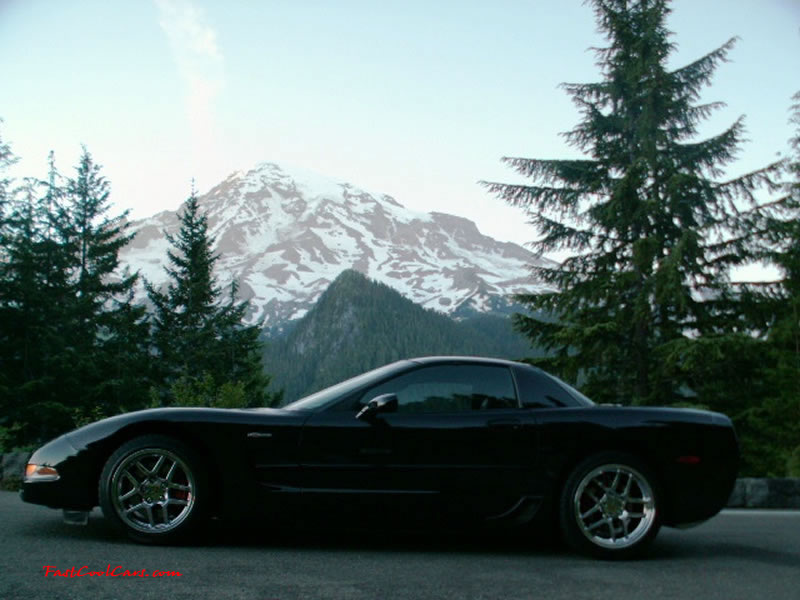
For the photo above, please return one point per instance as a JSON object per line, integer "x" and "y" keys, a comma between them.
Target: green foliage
{"x": 109, "y": 330}
{"x": 359, "y": 324}
{"x": 74, "y": 347}
{"x": 82, "y": 416}
{"x": 71, "y": 338}
{"x": 793, "y": 466}
{"x": 769, "y": 419}
{"x": 648, "y": 225}
{"x": 7, "y": 435}
{"x": 203, "y": 391}
{"x": 778, "y": 305}
{"x": 203, "y": 352}
{"x": 646, "y": 311}
{"x": 7, "y": 158}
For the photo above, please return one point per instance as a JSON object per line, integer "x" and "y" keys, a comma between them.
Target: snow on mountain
{"x": 286, "y": 233}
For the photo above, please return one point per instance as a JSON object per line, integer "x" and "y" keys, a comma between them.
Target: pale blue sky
{"x": 412, "y": 98}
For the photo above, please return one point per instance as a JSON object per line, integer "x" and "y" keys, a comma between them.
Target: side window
{"x": 450, "y": 388}
{"x": 538, "y": 390}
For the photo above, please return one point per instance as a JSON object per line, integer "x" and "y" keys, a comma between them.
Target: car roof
{"x": 470, "y": 360}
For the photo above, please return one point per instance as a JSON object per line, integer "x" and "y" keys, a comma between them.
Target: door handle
{"x": 258, "y": 434}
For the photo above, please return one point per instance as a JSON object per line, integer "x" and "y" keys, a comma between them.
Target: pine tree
{"x": 645, "y": 297}
{"x": 94, "y": 240}
{"x": 786, "y": 332}
{"x": 205, "y": 354}
{"x": 74, "y": 343}
{"x": 782, "y": 249}
{"x": 108, "y": 333}
{"x": 7, "y": 159}
{"x": 32, "y": 315}
{"x": 770, "y": 427}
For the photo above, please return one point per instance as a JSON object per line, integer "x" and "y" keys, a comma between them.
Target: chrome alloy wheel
{"x": 152, "y": 490}
{"x": 614, "y": 506}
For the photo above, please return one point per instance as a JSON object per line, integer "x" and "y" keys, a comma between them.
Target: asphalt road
{"x": 737, "y": 555}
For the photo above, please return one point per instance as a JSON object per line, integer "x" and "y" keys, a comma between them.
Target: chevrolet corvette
{"x": 449, "y": 442}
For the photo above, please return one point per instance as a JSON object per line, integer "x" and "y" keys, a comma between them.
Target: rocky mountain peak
{"x": 286, "y": 233}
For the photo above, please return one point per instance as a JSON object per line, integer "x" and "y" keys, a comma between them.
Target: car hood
{"x": 104, "y": 428}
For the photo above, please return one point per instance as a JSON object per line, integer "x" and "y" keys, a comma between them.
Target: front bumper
{"x": 76, "y": 487}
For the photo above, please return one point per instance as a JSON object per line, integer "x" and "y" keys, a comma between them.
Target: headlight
{"x": 40, "y": 473}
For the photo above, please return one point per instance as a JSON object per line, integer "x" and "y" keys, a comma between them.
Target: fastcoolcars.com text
{"x": 117, "y": 571}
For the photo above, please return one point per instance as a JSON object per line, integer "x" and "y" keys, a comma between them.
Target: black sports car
{"x": 439, "y": 441}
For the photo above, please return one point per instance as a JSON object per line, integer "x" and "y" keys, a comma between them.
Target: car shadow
{"x": 671, "y": 546}
{"x": 253, "y": 535}
{"x": 533, "y": 541}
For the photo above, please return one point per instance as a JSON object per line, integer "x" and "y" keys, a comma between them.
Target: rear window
{"x": 541, "y": 390}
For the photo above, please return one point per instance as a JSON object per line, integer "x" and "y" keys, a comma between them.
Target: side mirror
{"x": 379, "y": 404}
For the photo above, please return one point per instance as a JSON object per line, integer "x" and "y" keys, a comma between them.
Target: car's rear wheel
{"x": 609, "y": 506}
{"x": 153, "y": 487}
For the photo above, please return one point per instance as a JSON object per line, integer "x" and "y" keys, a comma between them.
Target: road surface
{"x": 737, "y": 555}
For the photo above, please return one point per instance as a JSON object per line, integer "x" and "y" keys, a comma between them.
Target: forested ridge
{"x": 359, "y": 324}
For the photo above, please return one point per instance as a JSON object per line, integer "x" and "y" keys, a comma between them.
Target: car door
{"x": 344, "y": 464}
{"x": 458, "y": 446}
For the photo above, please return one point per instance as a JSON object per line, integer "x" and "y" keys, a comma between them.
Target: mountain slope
{"x": 359, "y": 324}
{"x": 286, "y": 234}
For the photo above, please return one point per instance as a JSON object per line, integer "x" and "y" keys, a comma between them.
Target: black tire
{"x": 610, "y": 506}
{"x": 154, "y": 488}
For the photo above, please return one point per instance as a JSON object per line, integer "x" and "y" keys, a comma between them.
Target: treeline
{"x": 74, "y": 346}
{"x": 359, "y": 324}
{"x": 648, "y": 311}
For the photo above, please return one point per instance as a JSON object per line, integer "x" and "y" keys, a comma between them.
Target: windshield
{"x": 335, "y": 392}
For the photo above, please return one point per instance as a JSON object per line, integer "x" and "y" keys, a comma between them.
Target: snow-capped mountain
{"x": 285, "y": 234}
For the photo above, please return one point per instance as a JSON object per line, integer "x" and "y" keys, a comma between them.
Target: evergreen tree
{"x": 205, "y": 355}
{"x": 785, "y": 334}
{"x": 645, "y": 301}
{"x": 782, "y": 249}
{"x": 7, "y": 159}
{"x": 32, "y": 315}
{"x": 770, "y": 427}
{"x": 65, "y": 312}
{"x": 788, "y": 259}
{"x": 109, "y": 333}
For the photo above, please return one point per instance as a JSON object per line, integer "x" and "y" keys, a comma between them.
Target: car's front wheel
{"x": 153, "y": 487}
{"x": 609, "y": 506}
